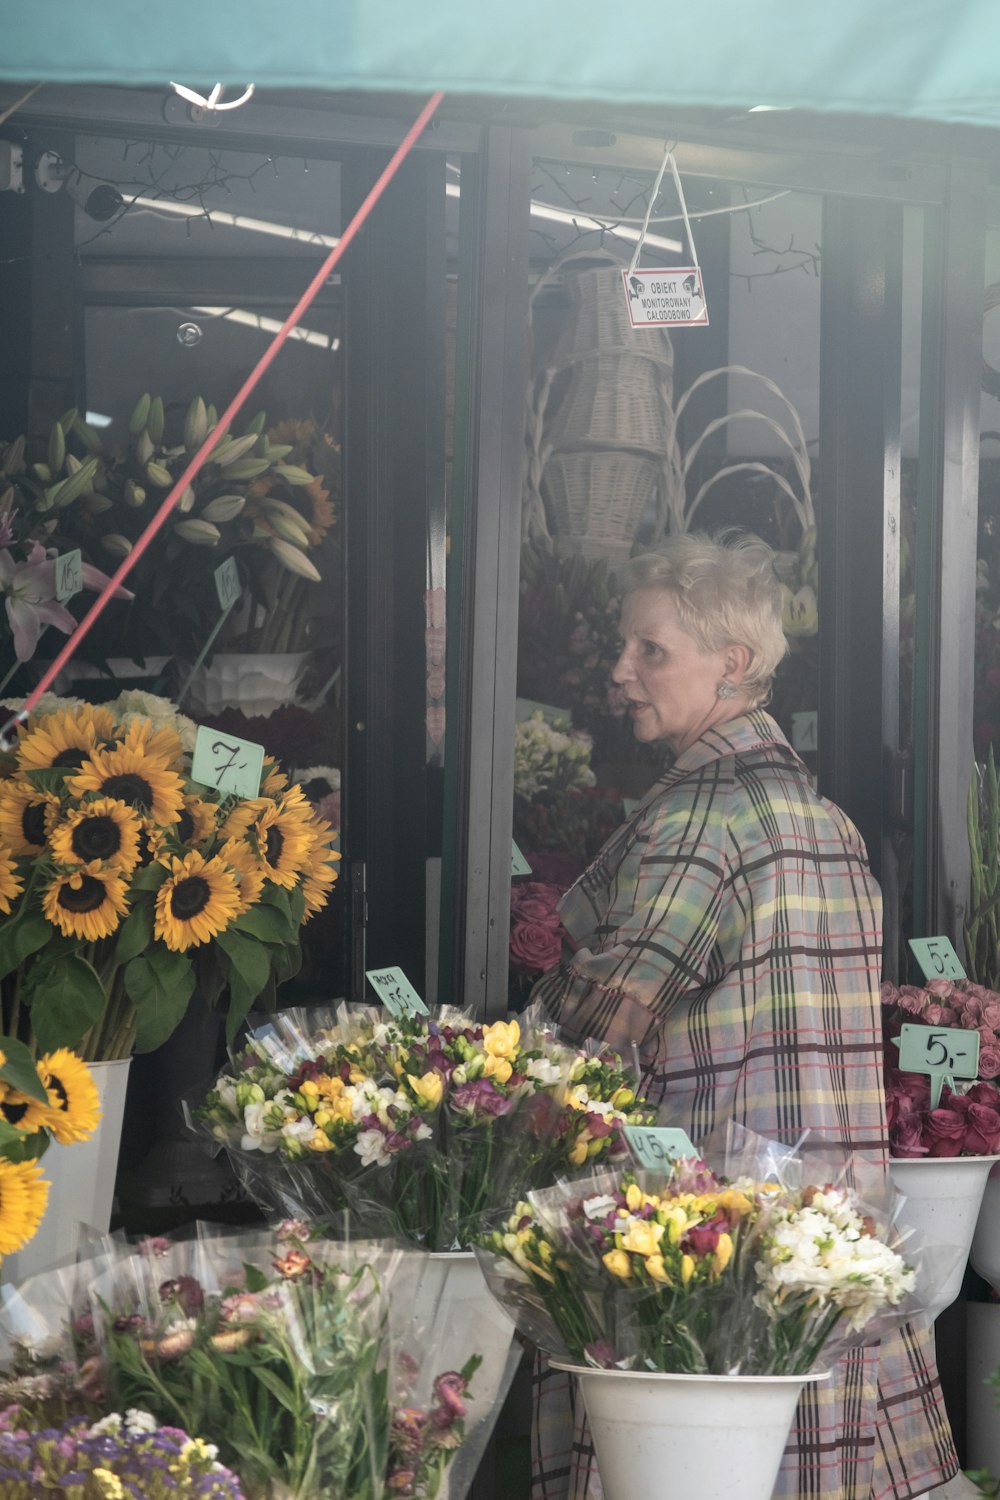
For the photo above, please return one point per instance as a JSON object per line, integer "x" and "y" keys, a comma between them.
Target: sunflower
{"x": 87, "y": 903}
{"x": 23, "y": 1112}
{"x": 246, "y": 870}
{"x": 74, "y": 1104}
{"x": 321, "y": 872}
{"x": 25, "y": 816}
{"x": 275, "y": 781}
{"x": 283, "y": 836}
{"x": 104, "y": 830}
{"x": 198, "y": 899}
{"x": 136, "y": 772}
{"x": 24, "y": 1193}
{"x": 65, "y": 739}
{"x": 197, "y": 821}
{"x": 163, "y": 743}
{"x": 10, "y": 881}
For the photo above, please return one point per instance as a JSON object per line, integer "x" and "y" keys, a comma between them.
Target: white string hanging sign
{"x": 665, "y": 296}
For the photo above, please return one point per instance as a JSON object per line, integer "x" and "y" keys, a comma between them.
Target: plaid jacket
{"x": 732, "y": 929}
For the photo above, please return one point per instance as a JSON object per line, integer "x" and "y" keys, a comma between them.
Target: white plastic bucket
{"x": 943, "y": 1198}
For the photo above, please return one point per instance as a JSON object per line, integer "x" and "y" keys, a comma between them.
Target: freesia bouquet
{"x": 113, "y": 1457}
{"x": 695, "y": 1273}
{"x": 549, "y": 759}
{"x": 966, "y": 1119}
{"x": 126, "y": 883}
{"x": 419, "y": 1125}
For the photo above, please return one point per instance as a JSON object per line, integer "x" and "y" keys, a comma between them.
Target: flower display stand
{"x": 655, "y": 1434}
{"x": 943, "y": 1197}
{"x": 464, "y": 1300}
{"x": 982, "y": 1410}
{"x": 82, "y": 1180}
{"x": 985, "y": 1254}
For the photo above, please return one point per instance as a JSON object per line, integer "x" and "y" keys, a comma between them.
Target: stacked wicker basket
{"x": 602, "y": 420}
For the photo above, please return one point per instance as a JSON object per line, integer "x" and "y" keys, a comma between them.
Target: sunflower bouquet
{"x": 53, "y": 1098}
{"x": 693, "y": 1273}
{"x": 419, "y": 1125}
{"x": 125, "y": 883}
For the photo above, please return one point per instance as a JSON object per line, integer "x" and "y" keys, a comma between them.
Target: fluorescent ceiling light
{"x": 564, "y": 216}
{"x": 225, "y": 219}
{"x": 269, "y": 325}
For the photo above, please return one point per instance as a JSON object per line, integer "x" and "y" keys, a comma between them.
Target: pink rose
{"x": 971, "y": 1016}
{"x": 911, "y": 999}
{"x": 991, "y": 1015}
{"x": 935, "y": 1015}
{"x": 941, "y": 989}
{"x": 982, "y": 1131}
{"x": 888, "y": 993}
{"x": 905, "y": 1139}
{"x": 977, "y": 991}
{"x": 534, "y": 946}
{"x": 535, "y": 902}
{"x": 944, "y": 1132}
{"x": 989, "y": 1061}
{"x": 987, "y": 1036}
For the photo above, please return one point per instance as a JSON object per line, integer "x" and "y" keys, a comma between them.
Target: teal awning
{"x": 923, "y": 59}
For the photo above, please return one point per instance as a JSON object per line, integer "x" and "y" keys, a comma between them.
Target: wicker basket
{"x": 613, "y": 401}
{"x": 598, "y": 321}
{"x": 597, "y": 499}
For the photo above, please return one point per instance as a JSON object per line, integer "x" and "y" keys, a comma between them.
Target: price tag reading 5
{"x": 937, "y": 958}
{"x": 518, "y": 864}
{"x": 221, "y": 760}
{"x": 396, "y": 992}
{"x": 657, "y": 1146}
{"x": 951, "y": 1050}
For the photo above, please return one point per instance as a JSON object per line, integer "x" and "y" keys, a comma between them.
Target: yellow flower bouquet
{"x": 124, "y": 883}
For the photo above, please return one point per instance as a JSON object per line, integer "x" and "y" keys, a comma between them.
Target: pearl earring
{"x": 725, "y": 690}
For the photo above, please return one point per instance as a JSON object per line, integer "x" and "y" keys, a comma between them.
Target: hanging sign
{"x": 396, "y": 993}
{"x": 69, "y": 575}
{"x": 518, "y": 864}
{"x": 944, "y": 1053}
{"x": 665, "y": 298}
{"x": 657, "y": 1146}
{"x": 937, "y": 958}
{"x": 232, "y": 765}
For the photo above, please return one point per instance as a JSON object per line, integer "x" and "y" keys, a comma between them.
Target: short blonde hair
{"x": 727, "y": 594}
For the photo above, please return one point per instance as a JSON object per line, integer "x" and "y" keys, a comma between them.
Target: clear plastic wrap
{"x": 419, "y": 1127}
{"x": 774, "y": 1265}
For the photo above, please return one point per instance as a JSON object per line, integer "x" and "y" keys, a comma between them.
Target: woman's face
{"x": 669, "y": 681}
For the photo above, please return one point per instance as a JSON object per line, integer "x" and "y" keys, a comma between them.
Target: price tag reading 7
{"x": 396, "y": 992}
{"x": 657, "y": 1146}
{"x": 221, "y": 760}
{"x": 944, "y": 1053}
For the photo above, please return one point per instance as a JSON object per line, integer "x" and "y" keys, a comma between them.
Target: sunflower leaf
{"x": 24, "y": 935}
{"x": 249, "y": 961}
{"x": 66, "y": 999}
{"x": 240, "y": 1002}
{"x": 20, "y": 1072}
{"x": 287, "y": 963}
{"x": 135, "y": 934}
{"x": 23, "y": 1147}
{"x": 159, "y": 984}
{"x": 150, "y": 878}
{"x": 267, "y": 923}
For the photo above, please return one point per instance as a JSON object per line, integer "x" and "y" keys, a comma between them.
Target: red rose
{"x": 534, "y": 946}
{"x": 944, "y": 1132}
{"x": 907, "y": 1093}
{"x": 984, "y": 1093}
{"x": 982, "y": 1131}
{"x": 906, "y": 1137}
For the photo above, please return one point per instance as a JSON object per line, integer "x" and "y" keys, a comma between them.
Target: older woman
{"x": 731, "y": 928}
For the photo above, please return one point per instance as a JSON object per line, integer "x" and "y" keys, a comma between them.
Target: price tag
{"x": 658, "y": 1146}
{"x": 221, "y": 760}
{"x": 69, "y": 575}
{"x": 396, "y": 993}
{"x": 943, "y": 1052}
{"x": 630, "y": 804}
{"x": 937, "y": 958}
{"x": 518, "y": 864}
{"x": 804, "y": 731}
{"x": 227, "y": 583}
